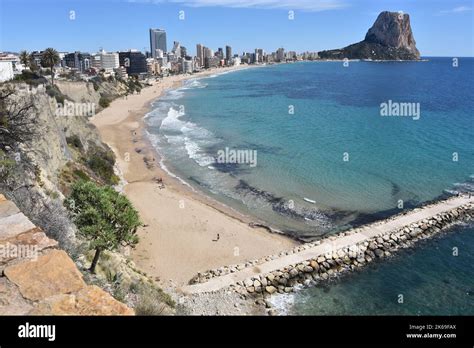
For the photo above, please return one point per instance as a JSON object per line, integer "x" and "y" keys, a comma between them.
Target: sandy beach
{"x": 181, "y": 226}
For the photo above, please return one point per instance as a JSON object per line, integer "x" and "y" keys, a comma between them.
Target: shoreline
{"x": 181, "y": 223}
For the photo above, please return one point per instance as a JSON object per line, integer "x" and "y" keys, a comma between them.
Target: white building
{"x": 172, "y": 58}
{"x": 6, "y": 70}
{"x": 159, "y": 53}
{"x": 176, "y": 49}
{"x": 109, "y": 61}
{"x": 187, "y": 66}
{"x": 96, "y": 63}
{"x": 236, "y": 61}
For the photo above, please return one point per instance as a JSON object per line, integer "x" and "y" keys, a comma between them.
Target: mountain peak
{"x": 393, "y": 29}
{"x": 389, "y": 38}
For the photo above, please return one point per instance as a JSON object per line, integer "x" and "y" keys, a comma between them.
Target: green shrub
{"x": 75, "y": 141}
{"x": 81, "y": 175}
{"x": 54, "y": 92}
{"x": 30, "y": 78}
{"x": 6, "y": 166}
{"x": 104, "y": 102}
{"x": 104, "y": 217}
{"x": 101, "y": 162}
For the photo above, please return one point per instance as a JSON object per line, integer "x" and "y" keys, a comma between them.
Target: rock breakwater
{"x": 330, "y": 258}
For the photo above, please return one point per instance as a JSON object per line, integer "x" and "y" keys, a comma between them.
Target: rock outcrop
{"x": 390, "y": 38}
{"x": 39, "y": 279}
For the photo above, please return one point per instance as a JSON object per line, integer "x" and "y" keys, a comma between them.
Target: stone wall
{"x": 37, "y": 278}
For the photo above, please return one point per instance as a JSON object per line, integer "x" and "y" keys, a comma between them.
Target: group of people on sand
{"x": 160, "y": 183}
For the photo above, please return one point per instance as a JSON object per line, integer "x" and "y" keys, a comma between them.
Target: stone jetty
{"x": 313, "y": 262}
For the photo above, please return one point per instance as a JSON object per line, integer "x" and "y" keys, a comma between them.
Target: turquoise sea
{"x": 326, "y": 159}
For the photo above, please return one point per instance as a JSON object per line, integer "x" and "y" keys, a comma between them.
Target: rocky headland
{"x": 390, "y": 38}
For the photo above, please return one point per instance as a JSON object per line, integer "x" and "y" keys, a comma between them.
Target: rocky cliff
{"x": 39, "y": 279}
{"x": 390, "y": 38}
{"x": 58, "y": 152}
{"x": 34, "y": 177}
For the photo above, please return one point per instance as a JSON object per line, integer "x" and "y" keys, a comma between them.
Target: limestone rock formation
{"x": 90, "y": 300}
{"x": 40, "y": 279}
{"x": 390, "y": 38}
{"x": 58, "y": 275}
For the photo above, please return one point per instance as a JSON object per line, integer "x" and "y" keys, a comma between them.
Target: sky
{"x": 440, "y": 27}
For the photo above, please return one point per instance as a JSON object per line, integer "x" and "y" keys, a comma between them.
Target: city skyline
{"x": 192, "y": 22}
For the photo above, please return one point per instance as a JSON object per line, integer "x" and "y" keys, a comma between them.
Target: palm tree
{"x": 50, "y": 58}
{"x": 28, "y": 60}
{"x": 25, "y": 58}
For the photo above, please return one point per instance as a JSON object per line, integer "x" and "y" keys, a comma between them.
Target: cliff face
{"x": 32, "y": 216}
{"x": 36, "y": 181}
{"x": 390, "y": 38}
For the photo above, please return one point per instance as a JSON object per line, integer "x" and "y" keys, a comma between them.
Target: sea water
{"x": 327, "y": 159}
{"x": 317, "y": 131}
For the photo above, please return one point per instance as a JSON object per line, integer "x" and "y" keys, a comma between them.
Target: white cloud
{"x": 459, "y": 9}
{"x": 302, "y": 5}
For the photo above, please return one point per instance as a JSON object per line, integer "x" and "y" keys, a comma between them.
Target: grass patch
{"x": 151, "y": 300}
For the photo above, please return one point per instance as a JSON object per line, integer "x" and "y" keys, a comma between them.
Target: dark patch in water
{"x": 231, "y": 168}
{"x": 366, "y": 218}
{"x": 200, "y": 183}
{"x": 275, "y": 150}
{"x": 244, "y": 187}
{"x": 255, "y": 95}
{"x": 282, "y": 206}
{"x": 395, "y": 189}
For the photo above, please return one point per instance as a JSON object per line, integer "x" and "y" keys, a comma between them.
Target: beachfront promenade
{"x": 328, "y": 245}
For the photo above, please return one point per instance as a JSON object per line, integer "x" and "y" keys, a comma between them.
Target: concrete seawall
{"x": 346, "y": 251}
